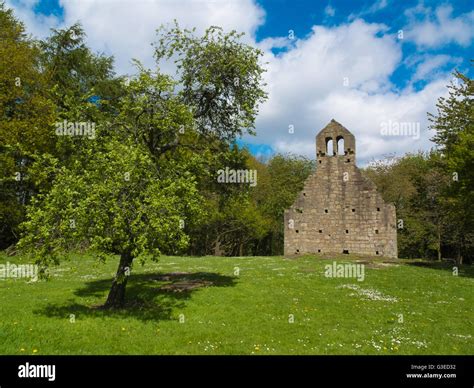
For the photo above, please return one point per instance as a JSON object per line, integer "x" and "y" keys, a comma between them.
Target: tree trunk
{"x": 458, "y": 257}
{"x": 439, "y": 244}
{"x": 116, "y": 297}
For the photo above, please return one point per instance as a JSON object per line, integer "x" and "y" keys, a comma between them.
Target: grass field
{"x": 250, "y": 305}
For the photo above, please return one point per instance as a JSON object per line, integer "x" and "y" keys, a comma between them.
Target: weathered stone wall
{"x": 339, "y": 210}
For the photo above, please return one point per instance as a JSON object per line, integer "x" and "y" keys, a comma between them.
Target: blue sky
{"x": 301, "y": 15}
{"x": 346, "y": 59}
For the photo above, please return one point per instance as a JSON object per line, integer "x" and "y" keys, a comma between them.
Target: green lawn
{"x": 210, "y": 310}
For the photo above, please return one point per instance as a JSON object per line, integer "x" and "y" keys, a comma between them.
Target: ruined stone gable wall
{"x": 340, "y": 211}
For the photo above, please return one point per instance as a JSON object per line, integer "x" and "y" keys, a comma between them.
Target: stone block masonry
{"x": 339, "y": 211}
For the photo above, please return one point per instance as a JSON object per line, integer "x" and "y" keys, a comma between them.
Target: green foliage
{"x": 403, "y": 182}
{"x": 160, "y": 141}
{"x": 118, "y": 202}
{"x": 221, "y": 78}
{"x": 417, "y": 185}
{"x": 41, "y": 84}
{"x": 244, "y": 220}
{"x": 76, "y": 73}
{"x": 133, "y": 189}
{"x": 83, "y": 85}
{"x": 26, "y": 118}
{"x": 454, "y": 126}
{"x": 277, "y": 189}
{"x": 434, "y": 193}
{"x": 152, "y": 115}
{"x": 455, "y": 114}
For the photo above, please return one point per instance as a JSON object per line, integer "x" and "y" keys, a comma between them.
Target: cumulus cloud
{"x": 439, "y": 27}
{"x": 342, "y": 72}
{"x": 127, "y": 28}
{"x": 428, "y": 67}
{"x": 365, "y": 114}
{"x": 38, "y": 25}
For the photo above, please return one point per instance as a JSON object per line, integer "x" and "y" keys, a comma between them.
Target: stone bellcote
{"x": 334, "y": 140}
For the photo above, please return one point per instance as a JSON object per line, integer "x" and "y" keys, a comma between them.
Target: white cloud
{"x": 439, "y": 27}
{"x": 374, "y": 8}
{"x": 429, "y": 67}
{"x": 329, "y": 10}
{"x": 363, "y": 114}
{"x": 306, "y": 82}
{"x": 38, "y": 25}
{"x": 377, "y": 6}
{"x": 126, "y": 28}
{"x": 306, "y": 90}
{"x": 321, "y": 63}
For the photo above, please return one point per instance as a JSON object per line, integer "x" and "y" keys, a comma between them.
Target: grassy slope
{"x": 245, "y": 314}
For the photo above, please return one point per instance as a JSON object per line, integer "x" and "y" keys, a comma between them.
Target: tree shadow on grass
{"x": 149, "y": 297}
{"x": 463, "y": 270}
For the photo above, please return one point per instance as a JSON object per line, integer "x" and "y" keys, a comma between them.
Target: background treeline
{"x": 186, "y": 127}
{"x": 434, "y": 191}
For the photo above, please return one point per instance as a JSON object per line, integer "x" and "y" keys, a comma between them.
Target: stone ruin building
{"x": 339, "y": 211}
